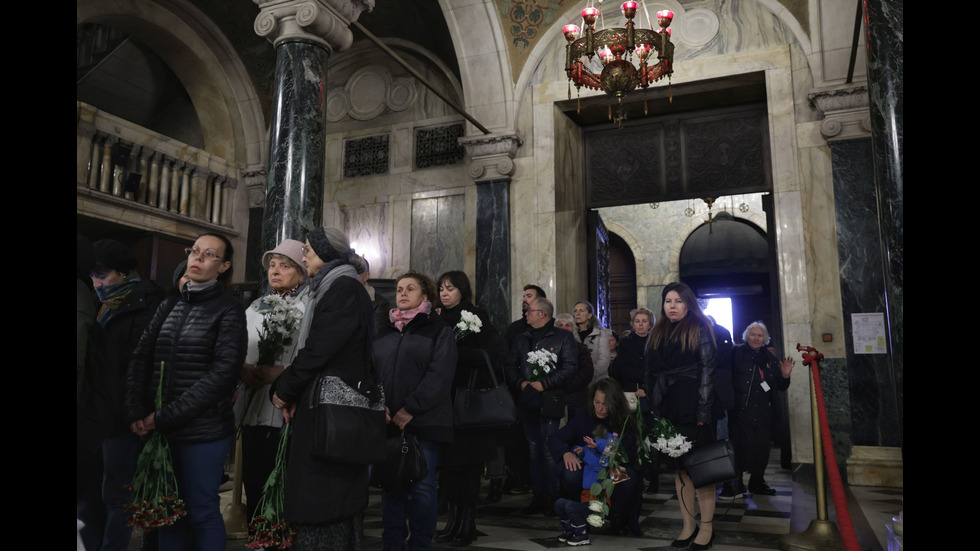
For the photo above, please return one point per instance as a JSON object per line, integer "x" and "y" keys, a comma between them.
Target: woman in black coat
{"x": 462, "y": 465}
{"x": 756, "y": 375}
{"x": 325, "y": 501}
{"x": 200, "y": 340}
{"x": 415, "y": 356}
{"x": 680, "y": 387}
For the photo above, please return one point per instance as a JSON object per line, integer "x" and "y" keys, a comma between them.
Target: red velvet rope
{"x": 846, "y": 526}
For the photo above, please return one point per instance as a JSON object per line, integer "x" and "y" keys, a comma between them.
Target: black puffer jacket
{"x": 202, "y": 342}
{"x": 417, "y": 366}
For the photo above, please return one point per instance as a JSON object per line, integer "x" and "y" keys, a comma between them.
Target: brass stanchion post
{"x": 234, "y": 515}
{"x": 821, "y": 535}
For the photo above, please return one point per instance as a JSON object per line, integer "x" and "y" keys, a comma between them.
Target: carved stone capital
{"x": 845, "y": 111}
{"x": 255, "y": 182}
{"x": 491, "y": 155}
{"x": 322, "y": 21}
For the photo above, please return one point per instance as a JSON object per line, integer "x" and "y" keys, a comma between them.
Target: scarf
{"x": 401, "y": 318}
{"x": 319, "y": 285}
{"x": 113, "y": 296}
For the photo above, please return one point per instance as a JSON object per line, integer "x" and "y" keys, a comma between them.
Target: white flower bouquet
{"x": 468, "y": 323}
{"x": 664, "y": 438}
{"x": 281, "y": 318}
{"x": 542, "y": 363}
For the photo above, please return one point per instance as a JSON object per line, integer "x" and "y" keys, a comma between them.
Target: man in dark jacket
{"x": 541, "y": 386}
{"x": 531, "y": 292}
{"x": 126, "y": 304}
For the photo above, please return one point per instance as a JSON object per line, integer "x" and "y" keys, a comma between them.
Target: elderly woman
{"x": 325, "y": 501}
{"x": 199, "y": 339}
{"x": 462, "y": 465}
{"x": 415, "y": 355}
{"x": 261, "y": 421}
{"x": 590, "y": 333}
{"x": 577, "y": 400}
{"x": 680, "y": 388}
{"x": 756, "y": 374}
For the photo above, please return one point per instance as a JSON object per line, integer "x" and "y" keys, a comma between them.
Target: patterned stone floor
{"x": 743, "y": 523}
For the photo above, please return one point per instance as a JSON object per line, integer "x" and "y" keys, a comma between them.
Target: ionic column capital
{"x": 845, "y": 110}
{"x": 322, "y": 21}
{"x": 491, "y": 155}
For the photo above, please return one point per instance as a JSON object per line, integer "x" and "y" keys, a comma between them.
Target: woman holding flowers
{"x": 325, "y": 501}
{"x": 462, "y": 465}
{"x": 415, "y": 355}
{"x": 580, "y": 445}
{"x": 680, "y": 388}
{"x": 273, "y": 323}
{"x": 191, "y": 355}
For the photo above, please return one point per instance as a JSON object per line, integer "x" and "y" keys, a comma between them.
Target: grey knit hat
{"x": 114, "y": 255}
{"x": 291, "y": 249}
{"x": 330, "y": 244}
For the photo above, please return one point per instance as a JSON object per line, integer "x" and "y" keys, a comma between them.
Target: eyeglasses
{"x": 306, "y": 250}
{"x": 534, "y": 310}
{"x": 210, "y": 255}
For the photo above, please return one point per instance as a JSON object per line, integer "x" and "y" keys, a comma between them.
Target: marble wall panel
{"x": 437, "y": 234}
{"x": 493, "y": 287}
{"x": 874, "y": 389}
{"x": 367, "y": 230}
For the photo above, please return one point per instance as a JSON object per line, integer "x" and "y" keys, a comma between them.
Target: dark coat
{"x": 582, "y": 425}
{"x": 123, "y": 332}
{"x": 474, "y": 445}
{"x": 201, "y": 341}
{"x": 339, "y": 344}
{"x": 629, "y": 366}
{"x": 417, "y": 366}
{"x": 578, "y": 383}
{"x": 751, "y": 400}
{"x": 517, "y": 369}
{"x": 680, "y": 383}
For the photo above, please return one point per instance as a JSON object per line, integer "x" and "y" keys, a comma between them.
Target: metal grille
{"x": 366, "y": 156}
{"x": 438, "y": 146}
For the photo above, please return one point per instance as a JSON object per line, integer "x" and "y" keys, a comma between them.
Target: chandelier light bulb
{"x": 664, "y": 17}
{"x": 571, "y": 32}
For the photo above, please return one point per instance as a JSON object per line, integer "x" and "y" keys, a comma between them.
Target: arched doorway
{"x": 622, "y": 283}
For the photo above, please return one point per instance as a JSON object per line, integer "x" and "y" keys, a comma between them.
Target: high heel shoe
{"x": 686, "y": 541}
{"x": 702, "y": 546}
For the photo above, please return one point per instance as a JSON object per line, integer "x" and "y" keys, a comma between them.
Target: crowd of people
{"x": 574, "y": 384}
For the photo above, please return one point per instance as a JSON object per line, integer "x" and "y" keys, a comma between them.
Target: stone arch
{"x": 207, "y": 65}
{"x": 674, "y": 260}
{"x": 484, "y": 65}
{"x": 633, "y": 243}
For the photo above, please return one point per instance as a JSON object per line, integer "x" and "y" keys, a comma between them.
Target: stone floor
{"x": 742, "y": 523}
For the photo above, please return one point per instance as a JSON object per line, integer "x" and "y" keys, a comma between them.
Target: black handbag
{"x": 404, "y": 465}
{"x": 349, "y": 424}
{"x": 553, "y": 404}
{"x": 710, "y": 464}
{"x": 483, "y": 407}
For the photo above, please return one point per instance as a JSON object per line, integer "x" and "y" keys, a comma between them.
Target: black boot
{"x": 452, "y": 525}
{"x": 493, "y": 496}
{"x": 466, "y": 533}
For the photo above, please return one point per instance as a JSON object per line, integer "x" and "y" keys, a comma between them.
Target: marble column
{"x": 885, "y": 50}
{"x": 860, "y": 390}
{"x": 304, "y": 34}
{"x": 491, "y": 166}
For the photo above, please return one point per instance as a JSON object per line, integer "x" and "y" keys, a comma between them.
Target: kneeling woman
{"x": 575, "y": 443}
{"x": 415, "y": 356}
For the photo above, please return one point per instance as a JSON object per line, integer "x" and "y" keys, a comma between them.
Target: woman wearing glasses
{"x": 199, "y": 339}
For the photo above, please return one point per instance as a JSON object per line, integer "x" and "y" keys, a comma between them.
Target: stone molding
{"x": 255, "y": 183}
{"x": 324, "y": 22}
{"x": 491, "y": 155}
{"x": 845, "y": 110}
{"x": 876, "y": 466}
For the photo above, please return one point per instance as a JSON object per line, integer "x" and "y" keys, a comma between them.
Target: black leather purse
{"x": 710, "y": 464}
{"x": 404, "y": 465}
{"x": 349, "y": 426}
{"x": 484, "y": 407}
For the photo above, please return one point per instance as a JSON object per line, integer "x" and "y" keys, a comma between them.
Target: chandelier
{"x": 619, "y": 76}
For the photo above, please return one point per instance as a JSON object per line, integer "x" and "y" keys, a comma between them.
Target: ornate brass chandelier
{"x": 619, "y": 75}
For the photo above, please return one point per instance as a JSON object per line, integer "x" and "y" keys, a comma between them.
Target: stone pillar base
{"x": 875, "y": 466}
